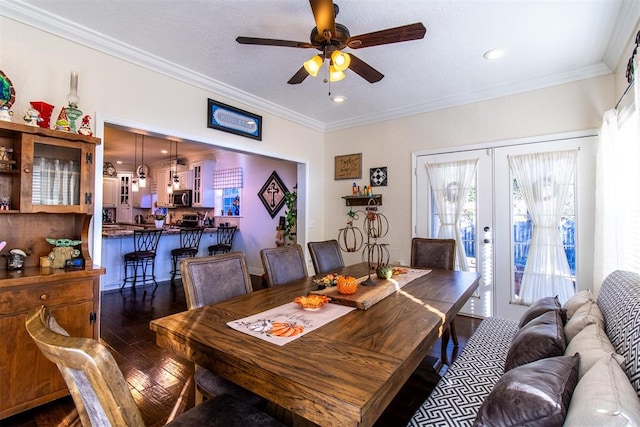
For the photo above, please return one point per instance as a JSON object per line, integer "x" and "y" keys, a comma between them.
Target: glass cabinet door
{"x": 55, "y": 174}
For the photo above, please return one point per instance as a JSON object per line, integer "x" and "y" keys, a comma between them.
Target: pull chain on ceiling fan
{"x": 330, "y": 38}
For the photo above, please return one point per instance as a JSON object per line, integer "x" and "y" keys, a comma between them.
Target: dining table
{"x": 344, "y": 373}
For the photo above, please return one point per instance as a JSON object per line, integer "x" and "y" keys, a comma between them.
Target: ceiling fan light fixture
{"x": 335, "y": 75}
{"x": 313, "y": 65}
{"x": 340, "y": 60}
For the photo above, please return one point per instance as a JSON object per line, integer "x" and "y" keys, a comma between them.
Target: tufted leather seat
{"x": 283, "y": 264}
{"x": 208, "y": 280}
{"x": 438, "y": 254}
{"x": 326, "y": 256}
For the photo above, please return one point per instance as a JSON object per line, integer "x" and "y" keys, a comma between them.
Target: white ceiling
{"x": 549, "y": 42}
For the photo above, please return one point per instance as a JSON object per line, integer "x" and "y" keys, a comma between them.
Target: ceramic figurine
{"x": 63, "y": 121}
{"x": 63, "y": 251}
{"x": 5, "y": 113}
{"x": 32, "y": 117}
{"x": 85, "y": 127}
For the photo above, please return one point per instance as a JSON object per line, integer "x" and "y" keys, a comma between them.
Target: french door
{"x": 495, "y": 227}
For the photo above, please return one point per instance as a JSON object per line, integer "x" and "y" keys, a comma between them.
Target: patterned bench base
{"x": 460, "y": 393}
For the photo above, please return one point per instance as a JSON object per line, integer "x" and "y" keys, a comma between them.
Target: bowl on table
{"x": 312, "y": 302}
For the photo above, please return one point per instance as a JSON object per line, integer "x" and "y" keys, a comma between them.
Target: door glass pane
{"x": 467, "y": 225}
{"x": 523, "y": 228}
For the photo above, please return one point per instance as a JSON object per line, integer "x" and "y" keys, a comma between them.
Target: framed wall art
{"x": 378, "y": 176}
{"x": 272, "y": 194}
{"x": 348, "y": 166}
{"x": 233, "y": 120}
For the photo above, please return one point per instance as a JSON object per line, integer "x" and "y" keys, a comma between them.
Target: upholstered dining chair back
{"x": 433, "y": 253}
{"x": 101, "y": 394}
{"x": 208, "y": 280}
{"x": 326, "y": 256}
{"x": 93, "y": 377}
{"x": 283, "y": 264}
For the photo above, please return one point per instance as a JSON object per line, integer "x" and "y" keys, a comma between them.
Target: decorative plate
{"x": 312, "y": 302}
{"x": 108, "y": 169}
{"x": 7, "y": 92}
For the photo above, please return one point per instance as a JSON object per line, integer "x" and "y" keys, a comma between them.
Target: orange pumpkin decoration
{"x": 347, "y": 285}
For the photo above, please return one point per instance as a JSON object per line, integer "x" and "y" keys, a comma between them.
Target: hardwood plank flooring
{"x": 156, "y": 377}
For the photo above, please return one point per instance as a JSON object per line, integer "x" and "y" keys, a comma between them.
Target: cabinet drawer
{"x": 50, "y": 295}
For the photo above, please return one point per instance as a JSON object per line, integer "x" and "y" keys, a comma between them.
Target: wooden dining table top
{"x": 342, "y": 374}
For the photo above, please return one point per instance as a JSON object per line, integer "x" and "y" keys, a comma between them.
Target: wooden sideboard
{"x": 35, "y": 213}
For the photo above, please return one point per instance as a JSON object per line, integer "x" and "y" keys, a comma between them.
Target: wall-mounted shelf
{"x": 362, "y": 200}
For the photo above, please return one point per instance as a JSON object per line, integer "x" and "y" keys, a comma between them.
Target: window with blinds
{"x": 228, "y": 191}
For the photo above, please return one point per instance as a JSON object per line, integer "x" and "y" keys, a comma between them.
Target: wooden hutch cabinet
{"x": 48, "y": 177}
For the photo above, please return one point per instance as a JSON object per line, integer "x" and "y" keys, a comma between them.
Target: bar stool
{"x": 225, "y": 240}
{"x": 145, "y": 243}
{"x": 189, "y": 245}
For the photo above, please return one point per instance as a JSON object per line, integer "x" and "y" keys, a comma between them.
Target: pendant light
{"x": 134, "y": 181}
{"x": 142, "y": 178}
{"x": 176, "y": 178}
{"x": 169, "y": 185}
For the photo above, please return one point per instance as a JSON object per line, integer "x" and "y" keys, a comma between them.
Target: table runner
{"x": 283, "y": 324}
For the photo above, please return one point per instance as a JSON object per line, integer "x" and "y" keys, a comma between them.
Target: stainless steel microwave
{"x": 180, "y": 198}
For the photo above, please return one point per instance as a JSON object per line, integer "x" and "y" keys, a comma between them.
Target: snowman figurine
{"x": 32, "y": 117}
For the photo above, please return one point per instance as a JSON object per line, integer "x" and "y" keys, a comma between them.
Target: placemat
{"x": 283, "y": 324}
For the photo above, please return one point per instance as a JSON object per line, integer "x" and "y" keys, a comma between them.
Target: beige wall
{"x": 564, "y": 108}
{"x": 119, "y": 92}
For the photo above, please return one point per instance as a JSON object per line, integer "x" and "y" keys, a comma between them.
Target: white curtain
{"x": 450, "y": 184}
{"x": 544, "y": 180}
{"x": 617, "y": 225}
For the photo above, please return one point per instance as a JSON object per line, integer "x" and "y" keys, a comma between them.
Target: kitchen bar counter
{"x": 118, "y": 240}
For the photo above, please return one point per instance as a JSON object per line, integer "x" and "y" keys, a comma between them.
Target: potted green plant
{"x": 290, "y": 201}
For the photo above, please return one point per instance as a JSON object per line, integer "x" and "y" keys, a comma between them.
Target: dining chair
{"x": 326, "y": 256}
{"x": 145, "y": 243}
{"x": 100, "y": 392}
{"x": 224, "y": 243}
{"x": 206, "y": 281}
{"x": 283, "y": 264}
{"x": 436, "y": 254}
{"x": 189, "y": 246}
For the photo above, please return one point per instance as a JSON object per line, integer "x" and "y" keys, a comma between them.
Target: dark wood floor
{"x": 156, "y": 377}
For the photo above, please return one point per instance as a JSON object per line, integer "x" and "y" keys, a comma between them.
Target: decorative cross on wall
{"x": 272, "y": 194}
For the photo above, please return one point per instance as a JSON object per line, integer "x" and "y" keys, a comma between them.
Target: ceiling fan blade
{"x": 298, "y": 77}
{"x": 364, "y": 70}
{"x": 324, "y": 15}
{"x": 272, "y": 42}
{"x": 391, "y": 35}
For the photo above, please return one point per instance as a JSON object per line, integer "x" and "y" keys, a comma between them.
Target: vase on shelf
{"x": 45, "y": 111}
{"x": 159, "y": 223}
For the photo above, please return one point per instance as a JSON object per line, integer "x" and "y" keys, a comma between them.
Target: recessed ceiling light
{"x": 495, "y": 53}
{"x": 164, "y": 151}
{"x": 119, "y": 162}
{"x": 339, "y": 99}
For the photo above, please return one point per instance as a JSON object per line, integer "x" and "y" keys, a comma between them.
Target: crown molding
{"x": 59, "y": 26}
{"x": 623, "y": 32}
{"x": 472, "y": 97}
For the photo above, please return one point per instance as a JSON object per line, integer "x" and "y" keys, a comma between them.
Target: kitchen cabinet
{"x": 110, "y": 192}
{"x": 185, "y": 179}
{"x": 49, "y": 171}
{"x": 28, "y": 378}
{"x": 203, "y": 192}
{"x": 41, "y": 208}
{"x": 124, "y": 193}
{"x": 163, "y": 178}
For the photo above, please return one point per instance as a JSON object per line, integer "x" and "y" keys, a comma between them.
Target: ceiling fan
{"x": 330, "y": 38}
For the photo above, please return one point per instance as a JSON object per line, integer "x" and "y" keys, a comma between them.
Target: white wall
{"x": 119, "y": 92}
{"x": 564, "y": 108}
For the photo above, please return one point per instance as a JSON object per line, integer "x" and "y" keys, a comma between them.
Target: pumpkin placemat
{"x": 283, "y": 324}
{"x": 366, "y": 296}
